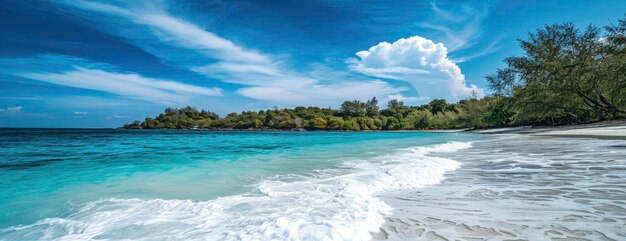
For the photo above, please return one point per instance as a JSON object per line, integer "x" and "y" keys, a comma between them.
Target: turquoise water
{"x": 164, "y": 185}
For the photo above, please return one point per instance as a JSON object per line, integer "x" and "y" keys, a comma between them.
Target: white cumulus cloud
{"x": 419, "y": 61}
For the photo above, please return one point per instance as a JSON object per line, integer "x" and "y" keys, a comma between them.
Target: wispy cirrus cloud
{"x": 17, "y": 111}
{"x": 84, "y": 74}
{"x": 11, "y": 110}
{"x": 461, "y": 28}
{"x": 125, "y": 84}
{"x": 169, "y": 29}
{"x": 111, "y": 117}
{"x": 33, "y": 98}
{"x": 185, "y": 44}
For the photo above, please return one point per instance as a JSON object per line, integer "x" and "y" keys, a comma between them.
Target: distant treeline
{"x": 565, "y": 76}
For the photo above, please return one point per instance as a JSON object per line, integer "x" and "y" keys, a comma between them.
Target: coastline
{"x": 602, "y": 130}
{"x": 599, "y": 130}
{"x": 475, "y": 202}
{"x": 450, "y": 184}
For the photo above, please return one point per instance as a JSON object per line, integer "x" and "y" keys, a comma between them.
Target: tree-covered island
{"x": 566, "y": 75}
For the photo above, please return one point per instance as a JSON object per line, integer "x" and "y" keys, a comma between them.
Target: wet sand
{"x": 521, "y": 187}
{"x": 599, "y": 130}
{"x": 605, "y": 132}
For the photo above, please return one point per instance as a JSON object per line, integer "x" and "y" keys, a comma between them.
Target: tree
{"x": 498, "y": 113}
{"x": 371, "y": 107}
{"x": 614, "y": 65}
{"x": 439, "y": 121}
{"x": 472, "y": 112}
{"x": 353, "y": 108}
{"x": 393, "y": 104}
{"x": 351, "y": 125}
{"x": 438, "y": 106}
{"x": 422, "y": 119}
{"x": 319, "y": 123}
{"x": 335, "y": 123}
{"x": 391, "y": 123}
{"x": 566, "y": 75}
{"x": 501, "y": 82}
{"x": 204, "y": 123}
{"x": 134, "y": 125}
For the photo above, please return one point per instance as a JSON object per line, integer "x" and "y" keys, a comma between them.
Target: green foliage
{"x": 439, "y": 106}
{"x": 335, "y": 123}
{"x": 439, "y": 121}
{"x": 134, "y": 125}
{"x": 351, "y": 125}
{"x": 391, "y": 123}
{"x": 498, "y": 113}
{"x": 566, "y": 75}
{"x": 472, "y": 112}
{"x": 394, "y": 104}
{"x": 319, "y": 123}
{"x": 354, "y": 116}
{"x": 353, "y": 108}
{"x": 371, "y": 107}
{"x": 417, "y": 119}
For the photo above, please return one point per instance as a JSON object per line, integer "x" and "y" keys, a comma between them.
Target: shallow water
{"x": 182, "y": 185}
{"x": 517, "y": 187}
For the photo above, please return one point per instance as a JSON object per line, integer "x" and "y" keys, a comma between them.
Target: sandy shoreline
{"x": 601, "y": 130}
{"x": 500, "y": 189}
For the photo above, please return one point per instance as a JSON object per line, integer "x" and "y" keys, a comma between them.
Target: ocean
{"x": 81, "y": 184}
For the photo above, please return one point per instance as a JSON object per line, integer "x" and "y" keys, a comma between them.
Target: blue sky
{"x": 66, "y": 63}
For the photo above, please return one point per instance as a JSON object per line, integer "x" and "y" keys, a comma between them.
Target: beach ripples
{"x": 520, "y": 188}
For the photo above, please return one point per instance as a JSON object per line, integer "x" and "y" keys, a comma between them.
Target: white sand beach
{"x": 601, "y": 130}
{"x": 605, "y": 132}
{"x": 559, "y": 183}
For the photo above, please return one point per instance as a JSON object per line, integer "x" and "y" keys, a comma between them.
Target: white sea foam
{"x": 338, "y": 204}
